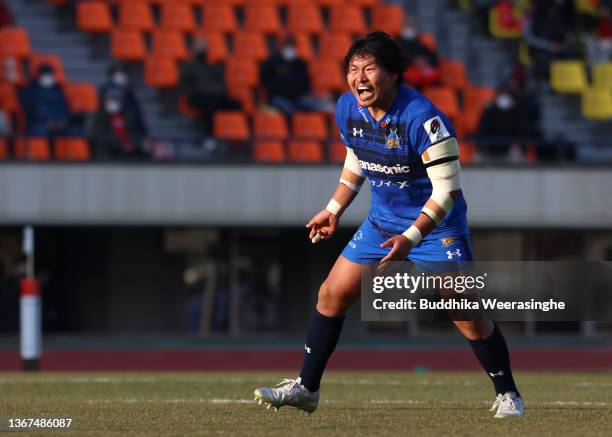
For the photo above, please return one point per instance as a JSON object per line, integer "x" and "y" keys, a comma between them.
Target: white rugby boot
{"x": 508, "y": 405}
{"x": 289, "y": 392}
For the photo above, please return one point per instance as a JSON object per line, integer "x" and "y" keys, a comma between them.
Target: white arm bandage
{"x": 351, "y": 163}
{"x": 413, "y": 235}
{"x": 442, "y": 164}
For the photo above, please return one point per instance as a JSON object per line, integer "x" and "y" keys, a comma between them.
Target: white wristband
{"x": 413, "y": 235}
{"x": 334, "y": 207}
{"x": 351, "y": 185}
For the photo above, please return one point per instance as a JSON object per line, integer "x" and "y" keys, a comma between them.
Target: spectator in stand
{"x": 118, "y": 82}
{"x": 286, "y": 80}
{"x": 203, "y": 84}
{"x": 115, "y": 132}
{"x": 45, "y": 105}
{"x": 548, "y": 33}
{"x": 422, "y": 68}
{"x": 413, "y": 47}
{"x": 511, "y": 123}
{"x": 500, "y": 122}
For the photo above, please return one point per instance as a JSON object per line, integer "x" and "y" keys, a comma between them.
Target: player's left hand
{"x": 400, "y": 248}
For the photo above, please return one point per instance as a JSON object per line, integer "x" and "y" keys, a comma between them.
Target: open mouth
{"x": 364, "y": 92}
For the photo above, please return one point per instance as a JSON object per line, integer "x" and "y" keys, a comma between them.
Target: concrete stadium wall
{"x": 241, "y": 195}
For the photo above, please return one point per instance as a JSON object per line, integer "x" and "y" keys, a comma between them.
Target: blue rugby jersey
{"x": 389, "y": 153}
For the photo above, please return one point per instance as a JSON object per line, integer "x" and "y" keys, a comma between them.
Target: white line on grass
{"x": 593, "y": 384}
{"x": 222, "y": 401}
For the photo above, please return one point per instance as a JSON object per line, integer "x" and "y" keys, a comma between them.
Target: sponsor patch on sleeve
{"x": 435, "y": 129}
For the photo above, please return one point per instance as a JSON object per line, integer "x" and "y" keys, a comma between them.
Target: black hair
{"x": 385, "y": 50}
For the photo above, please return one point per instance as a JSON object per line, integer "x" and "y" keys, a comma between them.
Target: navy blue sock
{"x": 323, "y": 335}
{"x": 493, "y": 355}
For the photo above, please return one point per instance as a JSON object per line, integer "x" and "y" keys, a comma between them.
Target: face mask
{"x": 504, "y": 102}
{"x": 112, "y": 106}
{"x": 409, "y": 33}
{"x": 46, "y": 80}
{"x": 120, "y": 78}
{"x": 289, "y": 53}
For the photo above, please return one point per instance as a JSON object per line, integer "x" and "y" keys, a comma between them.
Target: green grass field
{"x": 429, "y": 403}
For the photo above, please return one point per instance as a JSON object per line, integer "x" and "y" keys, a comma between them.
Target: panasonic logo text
{"x": 393, "y": 169}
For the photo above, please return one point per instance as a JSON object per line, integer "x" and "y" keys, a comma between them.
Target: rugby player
{"x": 406, "y": 148}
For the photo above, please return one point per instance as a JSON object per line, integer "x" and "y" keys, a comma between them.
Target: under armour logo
{"x": 456, "y": 253}
{"x": 357, "y": 132}
{"x": 307, "y": 348}
{"x": 500, "y": 373}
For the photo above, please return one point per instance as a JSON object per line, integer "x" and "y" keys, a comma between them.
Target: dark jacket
{"x": 288, "y": 79}
{"x": 43, "y": 105}
{"x": 104, "y": 140}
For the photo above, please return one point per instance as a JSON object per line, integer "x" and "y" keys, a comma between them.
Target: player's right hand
{"x": 323, "y": 224}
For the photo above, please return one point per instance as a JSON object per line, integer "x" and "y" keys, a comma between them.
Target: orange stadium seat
{"x": 240, "y": 73}
{"x": 270, "y": 126}
{"x": 337, "y": 150}
{"x": 269, "y": 151}
{"x": 475, "y": 100}
{"x": 120, "y": 2}
{"x": 365, "y": 3}
{"x": 232, "y": 3}
{"x": 128, "y": 45}
{"x": 187, "y": 2}
{"x": 389, "y": 18}
{"x": 245, "y": 96}
{"x": 136, "y": 16}
{"x": 220, "y": 18}
{"x": 82, "y": 97}
{"x": 169, "y": 43}
{"x": 445, "y": 99}
{"x": 250, "y": 45}
{"x": 347, "y": 18}
{"x": 217, "y": 45}
{"x": 177, "y": 16}
{"x": 334, "y": 45}
{"x": 429, "y": 41}
{"x": 303, "y": 45}
{"x": 248, "y": 3}
{"x": 329, "y": 3}
{"x": 94, "y": 17}
{"x": 9, "y": 100}
{"x": 4, "y": 151}
{"x": 14, "y": 41}
{"x": 186, "y": 109}
{"x": 262, "y": 18}
{"x": 327, "y": 77}
{"x": 305, "y": 18}
{"x": 72, "y": 149}
{"x": 161, "y": 72}
{"x": 467, "y": 152}
{"x": 305, "y": 151}
{"x": 38, "y": 59}
{"x": 311, "y": 125}
{"x": 453, "y": 74}
{"x": 35, "y": 148}
{"x": 231, "y": 125}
